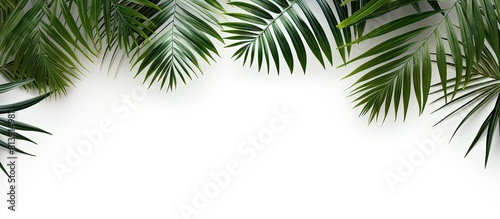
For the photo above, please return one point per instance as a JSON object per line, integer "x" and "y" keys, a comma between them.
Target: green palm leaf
{"x": 123, "y": 24}
{"x": 33, "y": 44}
{"x": 8, "y": 127}
{"x": 480, "y": 92}
{"x": 402, "y": 64}
{"x": 264, "y": 28}
{"x": 46, "y": 40}
{"x": 182, "y": 34}
{"x": 261, "y": 32}
{"x": 470, "y": 46}
{"x": 483, "y": 89}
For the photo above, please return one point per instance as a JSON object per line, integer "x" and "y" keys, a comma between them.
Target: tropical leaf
{"x": 468, "y": 44}
{"x": 46, "y": 40}
{"x": 35, "y": 45}
{"x": 10, "y": 127}
{"x": 373, "y": 9}
{"x": 401, "y": 65}
{"x": 183, "y": 33}
{"x": 266, "y": 31}
{"x": 478, "y": 95}
{"x": 264, "y": 28}
{"x": 482, "y": 91}
{"x": 122, "y": 23}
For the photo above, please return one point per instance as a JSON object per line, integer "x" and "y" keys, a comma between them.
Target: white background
{"x": 327, "y": 163}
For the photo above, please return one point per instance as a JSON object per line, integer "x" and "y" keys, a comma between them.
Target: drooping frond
{"x": 36, "y": 44}
{"x": 267, "y": 31}
{"x": 10, "y": 127}
{"x": 183, "y": 34}
{"x": 47, "y": 39}
{"x": 262, "y": 33}
{"x": 469, "y": 46}
{"x": 401, "y": 65}
{"x": 482, "y": 91}
{"x": 124, "y": 24}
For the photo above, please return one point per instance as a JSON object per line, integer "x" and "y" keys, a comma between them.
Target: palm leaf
{"x": 46, "y": 40}
{"x": 121, "y": 23}
{"x": 474, "y": 98}
{"x": 470, "y": 46}
{"x": 34, "y": 44}
{"x": 402, "y": 63}
{"x": 10, "y": 127}
{"x": 183, "y": 33}
{"x": 481, "y": 91}
{"x": 263, "y": 29}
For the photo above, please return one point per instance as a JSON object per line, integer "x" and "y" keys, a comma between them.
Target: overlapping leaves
{"x": 124, "y": 24}
{"x": 402, "y": 65}
{"x": 169, "y": 40}
{"x": 264, "y": 28}
{"x": 481, "y": 90}
{"x": 46, "y": 40}
{"x": 9, "y": 127}
{"x": 34, "y": 45}
{"x": 268, "y": 31}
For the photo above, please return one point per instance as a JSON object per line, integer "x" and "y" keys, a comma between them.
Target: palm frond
{"x": 477, "y": 96}
{"x": 46, "y": 40}
{"x": 34, "y": 44}
{"x": 124, "y": 24}
{"x": 402, "y": 64}
{"x": 9, "y": 127}
{"x": 183, "y": 33}
{"x": 482, "y": 91}
{"x": 264, "y": 28}
{"x": 470, "y": 46}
